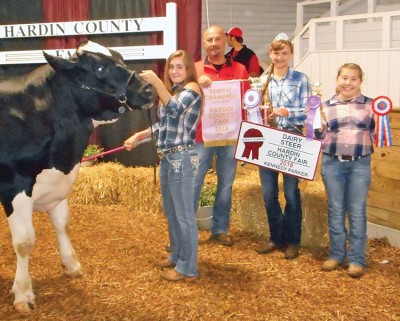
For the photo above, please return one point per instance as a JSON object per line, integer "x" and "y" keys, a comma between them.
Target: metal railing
{"x": 380, "y": 30}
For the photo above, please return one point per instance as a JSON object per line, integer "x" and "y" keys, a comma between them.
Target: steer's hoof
{"x": 25, "y": 307}
{"x": 73, "y": 271}
{"x": 75, "y": 274}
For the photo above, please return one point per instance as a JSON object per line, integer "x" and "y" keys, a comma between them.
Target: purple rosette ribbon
{"x": 313, "y": 103}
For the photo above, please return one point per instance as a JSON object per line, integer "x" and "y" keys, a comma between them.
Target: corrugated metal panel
{"x": 260, "y": 20}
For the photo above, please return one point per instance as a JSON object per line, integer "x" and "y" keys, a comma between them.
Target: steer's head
{"x": 104, "y": 85}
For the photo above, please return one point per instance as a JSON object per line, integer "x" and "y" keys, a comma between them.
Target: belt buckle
{"x": 175, "y": 149}
{"x": 346, "y": 159}
{"x": 160, "y": 153}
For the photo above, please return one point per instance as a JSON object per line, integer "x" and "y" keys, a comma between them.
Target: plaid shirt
{"x": 291, "y": 92}
{"x": 178, "y": 119}
{"x": 350, "y": 127}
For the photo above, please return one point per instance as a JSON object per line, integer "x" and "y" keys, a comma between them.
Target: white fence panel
{"x": 167, "y": 25}
{"x": 381, "y": 76}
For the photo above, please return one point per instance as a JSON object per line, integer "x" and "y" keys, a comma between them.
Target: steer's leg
{"x": 59, "y": 219}
{"x": 23, "y": 239}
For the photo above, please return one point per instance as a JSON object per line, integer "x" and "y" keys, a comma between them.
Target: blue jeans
{"x": 284, "y": 228}
{"x": 347, "y": 185}
{"x": 226, "y": 171}
{"x": 176, "y": 178}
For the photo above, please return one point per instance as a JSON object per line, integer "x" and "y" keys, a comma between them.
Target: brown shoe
{"x": 223, "y": 239}
{"x": 291, "y": 252}
{"x": 265, "y": 248}
{"x": 167, "y": 264}
{"x": 355, "y": 271}
{"x": 330, "y": 265}
{"x": 173, "y": 276}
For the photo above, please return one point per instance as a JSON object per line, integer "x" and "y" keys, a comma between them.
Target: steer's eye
{"x": 101, "y": 69}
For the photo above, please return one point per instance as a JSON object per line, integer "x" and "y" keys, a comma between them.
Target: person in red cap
{"x": 241, "y": 53}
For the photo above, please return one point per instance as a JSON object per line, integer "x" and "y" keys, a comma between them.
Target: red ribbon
{"x": 252, "y": 147}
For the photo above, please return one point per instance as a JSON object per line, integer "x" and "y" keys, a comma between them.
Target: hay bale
{"x": 249, "y": 212}
{"x": 247, "y": 204}
{"x": 113, "y": 183}
{"x": 97, "y": 184}
{"x": 315, "y": 214}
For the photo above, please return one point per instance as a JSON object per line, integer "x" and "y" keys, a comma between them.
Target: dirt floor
{"x": 118, "y": 246}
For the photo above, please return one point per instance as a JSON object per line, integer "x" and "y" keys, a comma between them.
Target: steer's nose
{"x": 149, "y": 92}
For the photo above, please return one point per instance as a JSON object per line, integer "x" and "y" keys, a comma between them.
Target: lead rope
{"x": 153, "y": 143}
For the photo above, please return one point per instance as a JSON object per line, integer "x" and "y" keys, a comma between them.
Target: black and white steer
{"x": 46, "y": 117}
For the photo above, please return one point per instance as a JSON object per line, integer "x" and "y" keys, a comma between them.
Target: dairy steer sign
{"x": 278, "y": 150}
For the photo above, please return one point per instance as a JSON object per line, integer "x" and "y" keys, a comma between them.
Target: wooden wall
{"x": 383, "y": 203}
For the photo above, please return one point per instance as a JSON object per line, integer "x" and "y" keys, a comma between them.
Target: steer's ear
{"x": 59, "y": 63}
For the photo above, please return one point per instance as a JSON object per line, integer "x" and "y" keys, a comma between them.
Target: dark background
{"x": 36, "y": 11}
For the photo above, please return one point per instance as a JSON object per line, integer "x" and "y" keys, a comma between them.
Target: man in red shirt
{"x": 216, "y": 66}
{"x": 241, "y": 53}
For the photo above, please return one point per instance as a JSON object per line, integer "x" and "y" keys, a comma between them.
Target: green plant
{"x": 207, "y": 194}
{"x": 92, "y": 150}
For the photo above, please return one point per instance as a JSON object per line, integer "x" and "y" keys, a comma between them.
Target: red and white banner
{"x": 222, "y": 113}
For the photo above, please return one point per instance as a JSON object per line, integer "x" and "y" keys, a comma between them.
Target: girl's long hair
{"x": 189, "y": 65}
{"x": 191, "y": 75}
{"x": 280, "y": 44}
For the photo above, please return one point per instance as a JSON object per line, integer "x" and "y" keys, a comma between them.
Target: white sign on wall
{"x": 278, "y": 150}
{"x": 165, "y": 24}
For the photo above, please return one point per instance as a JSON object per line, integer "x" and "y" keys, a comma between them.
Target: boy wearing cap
{"x": 241, "y": 53}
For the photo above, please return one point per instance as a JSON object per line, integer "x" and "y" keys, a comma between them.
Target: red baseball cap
{"x": 235, "y": 31}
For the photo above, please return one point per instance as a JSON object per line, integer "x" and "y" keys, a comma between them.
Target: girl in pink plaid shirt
{"x": 347, "y": 131}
